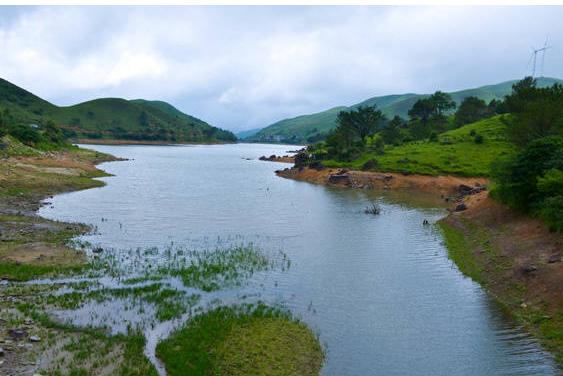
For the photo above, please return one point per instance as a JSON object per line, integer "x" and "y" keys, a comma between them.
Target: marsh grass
{"x": 241, "y": 340}
{"x": 145, "y": 287}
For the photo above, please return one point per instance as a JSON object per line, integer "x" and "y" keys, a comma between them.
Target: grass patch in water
{"x": 169, "y": 303}
{"x": 242, "y": 340}
{"x": 220, "y": 268}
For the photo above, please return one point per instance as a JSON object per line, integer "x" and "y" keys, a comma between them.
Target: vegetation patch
{"x": 242, "y": 340}
{"x": 454, "y": 152}
{"x": 220, "y": 268}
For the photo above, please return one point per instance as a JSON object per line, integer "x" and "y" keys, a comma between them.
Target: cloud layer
{"x": 246, "y": 67}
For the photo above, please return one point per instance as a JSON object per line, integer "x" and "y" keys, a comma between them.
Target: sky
{"x": 246, "y": 67}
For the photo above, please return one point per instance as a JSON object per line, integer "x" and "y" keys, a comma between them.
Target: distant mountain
{"x": 112, "y": 118}
{"x": 248, "y": 133}
{"x": 309, "y": 128}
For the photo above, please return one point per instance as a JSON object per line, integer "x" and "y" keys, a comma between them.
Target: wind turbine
{"x": 534, "y": 57}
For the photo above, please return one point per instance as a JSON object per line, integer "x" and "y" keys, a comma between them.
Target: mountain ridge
{"x": 112, "y": 118}
{"x": 315, "y": 126}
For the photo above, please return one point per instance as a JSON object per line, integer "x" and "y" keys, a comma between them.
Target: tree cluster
{"x": 45, "y": 135}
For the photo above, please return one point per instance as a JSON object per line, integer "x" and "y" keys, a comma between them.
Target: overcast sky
{"x": 246, "y": 67}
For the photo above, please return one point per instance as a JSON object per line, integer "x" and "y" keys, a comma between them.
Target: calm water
{"x": 380, "y": 291}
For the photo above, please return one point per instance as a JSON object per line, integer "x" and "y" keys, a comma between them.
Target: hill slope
{"x": 308, "y": 128}
{"x": 455, "y": 152}
{"x": 112, "y": 118}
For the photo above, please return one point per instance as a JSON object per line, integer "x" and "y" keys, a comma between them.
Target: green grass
{"x": 459, "y": 251}
{"x": 455, "y": 152}
{"x": 242, "y": 340}
{"x": 26, "y": 272}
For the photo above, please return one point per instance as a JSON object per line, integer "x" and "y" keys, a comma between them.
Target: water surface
{"x": 379, "y": 290}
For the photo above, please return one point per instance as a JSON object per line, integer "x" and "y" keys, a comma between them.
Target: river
{"x": 379, "y": 290}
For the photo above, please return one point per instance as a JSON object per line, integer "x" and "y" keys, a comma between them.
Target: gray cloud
{"x": 245, "y": 67}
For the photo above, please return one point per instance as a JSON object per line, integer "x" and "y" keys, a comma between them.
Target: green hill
{"x": 245, "y": 134}
{"x": 455, "y": 152}
{"x": 112, "y": 118}
{"x": 310, "y": 128}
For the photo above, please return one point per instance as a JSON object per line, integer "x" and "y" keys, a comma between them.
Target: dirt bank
{"x": 516, "y": 258}
{"x": 442, "y": 185}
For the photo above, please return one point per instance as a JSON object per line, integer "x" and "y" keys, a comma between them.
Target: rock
{"x": 1, "y": 351}
{"x": 556, "y": 257}
{"x": 17, "y": 333}
{"x": 464, "y": 189}
{"x": 460, "y": 207}
{"x": 28, "y": 321}
{"x": 528, "y": 269}
{"x": 339, "y": 178}
{"x": 35, "y": 339}
{"x": 98, "y": 250}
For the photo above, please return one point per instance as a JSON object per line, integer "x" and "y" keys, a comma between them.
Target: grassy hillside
{"x": 455, "y": 152}
{"x": 112, "y": 118}
{"x": 308, "y": 128}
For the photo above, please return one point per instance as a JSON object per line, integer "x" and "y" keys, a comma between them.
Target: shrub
{"x": 532, "y": 181}
{"x": 370, "y": 165}
{"x": 479, "y": 139}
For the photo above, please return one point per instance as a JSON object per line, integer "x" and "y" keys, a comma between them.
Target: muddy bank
{"x": 442, "y": 185}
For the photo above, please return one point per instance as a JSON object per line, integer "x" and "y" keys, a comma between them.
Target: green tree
{"x": 471, "y": 110}
{"x": 532, "y": 181}
{"x": 391, "y": 133}
{"x": 360, "y": 123}
{"x": 442, "y": 103}
{"x": 536, "y": 112}
{"x": 429, "y": 114}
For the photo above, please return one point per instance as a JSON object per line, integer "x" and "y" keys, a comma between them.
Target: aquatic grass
{"x": 220, "y": 268}
{"x": 241, "y": 340}
{"x": 207, "y": 269}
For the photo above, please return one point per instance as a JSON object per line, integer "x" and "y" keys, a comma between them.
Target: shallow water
{"x": 379, "y": 290}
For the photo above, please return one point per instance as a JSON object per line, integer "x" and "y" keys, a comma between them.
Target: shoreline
{"x": 447, "y": 186}
{"x": 515, "y": 258}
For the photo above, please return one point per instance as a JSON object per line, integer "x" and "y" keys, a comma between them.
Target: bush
{"x": 479, "y": 139}
{"x": 532, "y": 181}
{"x": 372, "y": 164}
